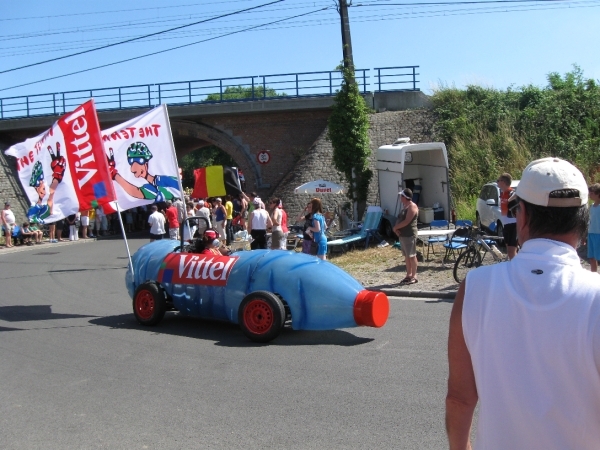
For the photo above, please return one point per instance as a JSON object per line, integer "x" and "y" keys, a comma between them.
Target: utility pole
{"x": 342, "y": 7}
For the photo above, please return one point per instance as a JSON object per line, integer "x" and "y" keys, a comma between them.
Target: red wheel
{"x": 261, "y": 316}
{"x": 149, "y": 304}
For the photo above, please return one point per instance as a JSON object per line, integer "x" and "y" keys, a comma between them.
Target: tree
{"x": 349, "y": 135}
{"x": 240, "y": 92}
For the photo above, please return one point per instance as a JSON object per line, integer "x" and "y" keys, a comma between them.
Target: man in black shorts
{"x": 509, "y": 224}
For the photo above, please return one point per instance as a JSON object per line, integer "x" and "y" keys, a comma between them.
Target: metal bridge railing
{"x": 218, "y": 90}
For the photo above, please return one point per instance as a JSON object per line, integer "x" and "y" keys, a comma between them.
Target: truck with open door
{"x": 421, "y": 167}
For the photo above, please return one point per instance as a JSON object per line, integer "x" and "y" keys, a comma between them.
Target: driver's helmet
{"x": 211, "y": 234}
{"x": 37, "y": 175}
{"x": 138, "y": 152}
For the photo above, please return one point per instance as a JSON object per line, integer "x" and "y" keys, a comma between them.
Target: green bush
{"x": 489, "y": 131}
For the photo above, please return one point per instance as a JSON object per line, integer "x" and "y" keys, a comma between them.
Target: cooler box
{"x": 438, "y": 213}
{"x": 426, "y": 215}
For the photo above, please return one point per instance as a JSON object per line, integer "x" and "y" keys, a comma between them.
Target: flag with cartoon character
{"x": 142, "y": 160}
{"x": 64, "y": 170}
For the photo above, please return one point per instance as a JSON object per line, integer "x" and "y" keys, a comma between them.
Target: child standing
{"x": 593, "y": 239}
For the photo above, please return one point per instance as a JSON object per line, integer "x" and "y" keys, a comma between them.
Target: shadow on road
{"x": 227, "y": 334}
{"x": 21, "y": 313}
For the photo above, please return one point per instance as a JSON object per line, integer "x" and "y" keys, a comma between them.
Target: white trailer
{"x": 421, "y": 167}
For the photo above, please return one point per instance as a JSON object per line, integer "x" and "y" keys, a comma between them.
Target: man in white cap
{"x": 524, "y": 335}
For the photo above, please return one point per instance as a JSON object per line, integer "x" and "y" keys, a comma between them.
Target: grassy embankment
{"x": 488, "y": 131}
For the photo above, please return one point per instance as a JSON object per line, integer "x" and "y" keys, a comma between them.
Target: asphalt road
{"x": 78, "y": 372}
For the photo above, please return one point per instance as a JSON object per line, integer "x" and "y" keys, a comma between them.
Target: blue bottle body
{"x": 320, "y": 295}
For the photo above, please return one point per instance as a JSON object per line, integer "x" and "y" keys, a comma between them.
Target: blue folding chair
{"x": 457, "y": 242}
{"x": 440, "y": 224}
{"x": 461, "y": 224}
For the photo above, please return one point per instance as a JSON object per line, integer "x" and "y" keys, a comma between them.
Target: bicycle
{"x": 478, "y": 253}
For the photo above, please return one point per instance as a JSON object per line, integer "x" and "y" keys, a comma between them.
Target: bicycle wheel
{"x": 467, "y": 260}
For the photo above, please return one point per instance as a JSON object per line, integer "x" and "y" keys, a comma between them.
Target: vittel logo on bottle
{"x": 196, "y": 269}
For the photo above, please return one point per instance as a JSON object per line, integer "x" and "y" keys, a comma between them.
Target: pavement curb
{"x": 423, "y": 294}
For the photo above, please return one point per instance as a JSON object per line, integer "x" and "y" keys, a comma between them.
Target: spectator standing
{"x": 180, "y": 206}
{"x": 524, "y": 335}
{"x": 228, "y": 219}
{"x": 220, "y": 213}
{"x": 85, "y": 222}
{"x": 406, "y": 229}
{"x": 306, "y": 215}
{"x": 171, "y": 214}
{"x": 101, "y": 222}
{"x": 593, "y": 239}
{"x": 92, "y": 215}
{"x": 203, "y": 211}
{"x": 129, "y": 220}
{"x": 59, "y": 230}
{"x": 318, "y": 228}
{"x": 258, "y": 222}
{"x": 276, "y": 229}
{"x": 509, "y": 223}
{"x": 243, "y": 210}
{"x": 73, "y": 234}
{"x": 189, "y": 229}
{"x": 284, "y": 226}
{"x": 8, "y": 224}
{"x": 157, "y": 224}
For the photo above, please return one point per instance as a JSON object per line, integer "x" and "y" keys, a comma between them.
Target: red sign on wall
{"x": 263, "y": 157}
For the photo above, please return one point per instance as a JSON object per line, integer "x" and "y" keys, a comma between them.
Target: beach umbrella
{"x": 319, "y": 187}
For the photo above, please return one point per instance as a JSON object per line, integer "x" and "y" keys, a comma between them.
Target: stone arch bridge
{"x": 290, "y": 131}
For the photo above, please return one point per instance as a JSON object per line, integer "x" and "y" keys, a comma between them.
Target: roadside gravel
{"x": 383, "y": 269}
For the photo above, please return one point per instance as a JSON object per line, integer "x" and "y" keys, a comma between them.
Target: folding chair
{"x": 453, "y": 247}
{"x": 436, "y": 239}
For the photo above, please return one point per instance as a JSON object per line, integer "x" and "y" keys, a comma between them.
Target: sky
{"x": 497, "y": 44}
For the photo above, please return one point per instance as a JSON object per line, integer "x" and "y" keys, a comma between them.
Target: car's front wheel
{"x": 261, "y": 316}
{"x": 149, "y": 304}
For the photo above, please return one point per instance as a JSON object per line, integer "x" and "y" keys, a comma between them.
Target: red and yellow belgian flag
{"x": 215, "y": 181}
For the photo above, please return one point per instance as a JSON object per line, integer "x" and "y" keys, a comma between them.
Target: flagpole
{"x": 164, "y": 105}
{"x": 124, "y": 236}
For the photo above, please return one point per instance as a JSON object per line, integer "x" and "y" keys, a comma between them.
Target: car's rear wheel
{"x": 478, "y": 221}
{"x": 149, "y": 304}
{"x": 261, "y": 316}
{"x": 388, "y": 229}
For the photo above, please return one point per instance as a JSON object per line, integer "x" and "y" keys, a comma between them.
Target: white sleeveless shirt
{"x": 259, "y": 219}
{"x": 532, "y": 327}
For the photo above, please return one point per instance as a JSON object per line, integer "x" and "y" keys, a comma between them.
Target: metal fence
{"x": 218, "y": 90}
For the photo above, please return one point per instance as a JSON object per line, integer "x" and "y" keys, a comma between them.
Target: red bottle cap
{"x": 371, "y": 309}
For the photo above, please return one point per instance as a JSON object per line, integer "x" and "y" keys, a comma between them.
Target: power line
{"x": 457, "y": 3}
{"x": 138, "y": 38}
{"x": 162, "y": 51}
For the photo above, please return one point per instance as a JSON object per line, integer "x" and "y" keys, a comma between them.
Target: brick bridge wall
{"x": 295, "y": 140}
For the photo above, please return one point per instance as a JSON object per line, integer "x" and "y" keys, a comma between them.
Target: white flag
{"x": 142, "y": 160}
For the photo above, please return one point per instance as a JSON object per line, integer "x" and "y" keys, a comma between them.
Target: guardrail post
{"x": 120, "y": 107}
{"x": 365, "y": 80}
{"x": 297, "y": 90}
{"x": 330, "y": 83}
{"x": 414, "y": 78}
{"x": 220, "y": 90}
{"x": 63, "y": 102}
{"x": 159, "y": 94}
{"x": 27, "y": 105}
{"x": 264, "y": 87}
{"x": 149, "y": 97}
{"x": 252, "y": 88}
{"x": 54, "y": 103}
{"x": 379, "y": 80}
{"x": 190, "y": 91}
{"x": 1, "y": 112}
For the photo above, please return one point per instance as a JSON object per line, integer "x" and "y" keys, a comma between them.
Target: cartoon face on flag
{"x": 142, "y": 160}
{"x": 63, "y": 170}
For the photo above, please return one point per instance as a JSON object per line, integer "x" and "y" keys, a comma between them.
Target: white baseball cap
{"x": 543, "y": 176}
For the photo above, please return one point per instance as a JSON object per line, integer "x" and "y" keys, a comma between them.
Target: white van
{"x": 420, "y": 167}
